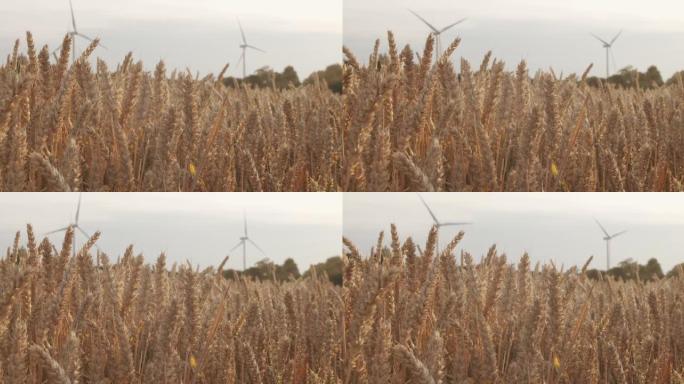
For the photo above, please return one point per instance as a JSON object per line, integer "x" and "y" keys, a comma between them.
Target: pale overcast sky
{"x": 200, "y": 227}
{"x": 200, "y": 34}
{"x": 546, "y": 33}
{"x": 552, "y": 226}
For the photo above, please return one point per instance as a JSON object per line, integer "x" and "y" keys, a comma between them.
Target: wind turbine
{"x": 607, "y": 239}
{"x": 609, "y": 51}
{"x": 437, "y": 32}
{"x": 74, "y": 33}
{"x": 243, "y": 243}
{"x": 438, "y": 223}
{"x": 74, "y": 225}
{"x": 244, "y": 46}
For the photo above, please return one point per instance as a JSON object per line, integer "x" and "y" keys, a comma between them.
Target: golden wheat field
{"x": 413, "y": 124}
{"x": 74, "y": 128}
{"x": 430, "y": 317}
{"x": 402, "y": 316}
{"x": 66, "y": 319}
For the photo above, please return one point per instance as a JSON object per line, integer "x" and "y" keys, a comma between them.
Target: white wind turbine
{"x": 607, "y": 239}
{"x": 243, "y": 243}
{"x": 74, "y": 33}
{"x": 437, "y": 32}
{"x": 244, "y": 46}
{"x": 438, "y": 223}
{"x": 74, "y": 225}
{"x": 609, "y": 51}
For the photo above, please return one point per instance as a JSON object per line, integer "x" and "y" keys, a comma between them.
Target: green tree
{"x": 288, "y": 78}
{"x": 332, "y": 75}
{"x": 677, "y": 78}
{"x": 676, "y": 271}
{"x": 289, "y": 270}
{"x": 333, "y": 267}
{"x": 651, "y": 270}
{"x": 629, "y": 269}
{"x": 652, "y": 78}
{"x": 629, "y": 77}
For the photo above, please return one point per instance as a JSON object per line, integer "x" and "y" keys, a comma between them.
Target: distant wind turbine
{"x": 437, "y": 32}
{"x": 438, "y": 223}
{"x": 74, "y": 225}
{"x": 607, "y": 239}
{"x": 244, "y": 46}
{"x": 74, "y": 33}
{"x": 243, "y": 243}
{"x": 609, "y": 51}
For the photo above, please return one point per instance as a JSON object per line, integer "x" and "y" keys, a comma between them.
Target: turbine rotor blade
{"x": 84, "y": 233}
{"x": 452, "y": 25}
{"x": 242, "y": 32}
{"x": 618, "y": 234}
{"x": 245, "y": 220}
{"x": 54, "y": 53}
{"x": 257, "y": 247}
{"x": 57, "y": 230}
{"x": 255, "y": 48}
{"x": 57, "y": 50}
{"x": 242, "y": 56}
{"x": 78, "y": 208}
{"x": 616, "y": 37}
{"x": 99, "y": 44}
{"x": 435, "y": 30}
{"x": 237, "y": 246}
{"x": 429, "y": 210}
{"x": 87, "y": 236}
{"x": 600, "y": 39}
{"x": 603, "y": 229}
{"x": 454, "y": 224}
{"x": 73, "y": 18}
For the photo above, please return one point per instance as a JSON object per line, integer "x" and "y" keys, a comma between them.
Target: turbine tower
{"x": 437, "y": 33}
{"x": 609, "y": 51}
{"x": 438, "y": 223}
{"x": 607, "y": 239}
{"x": 243, "y": 243}
{"x": 74, "y": 225}
{"x": 244, "y": 46}
{"x": 74, "y": 33}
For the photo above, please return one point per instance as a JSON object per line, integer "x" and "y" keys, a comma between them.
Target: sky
{"x": 556, "y": 227}
{"x": 199, "y": 227}
{"x": 546, "y": 33}
{"x": 202, "y": 35}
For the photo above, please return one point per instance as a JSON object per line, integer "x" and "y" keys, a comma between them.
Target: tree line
{"x": 630, "y": 77}
{"x": 632, "y": 270}
{"x": 265, "y": 269}
{"x": 333, "y": 268}
{"x": 266, "y": 77}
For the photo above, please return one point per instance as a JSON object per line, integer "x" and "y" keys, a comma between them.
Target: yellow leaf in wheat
{"x": 556, "y": 362}
{"x": 193, "y": 361}
{"x": 192, "y": 169}
{"x": 554, "y": 169}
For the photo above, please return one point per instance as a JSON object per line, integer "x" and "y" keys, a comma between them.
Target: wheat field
{"x": 414, "y": 124}
{"x": 430, "y": 317}
{"x": 402, "y": 124}
{"x": 68, "y": 319}
{"x": 405, "y": 314}
{"x": 74, "y": 128}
